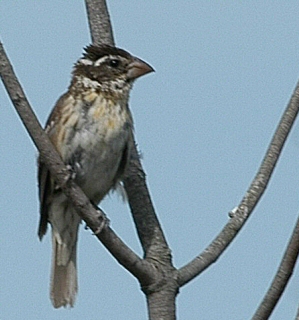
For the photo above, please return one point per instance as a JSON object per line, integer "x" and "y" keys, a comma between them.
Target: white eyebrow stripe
{"x": 100, "y": 61}
{"x": 86, "y": 62}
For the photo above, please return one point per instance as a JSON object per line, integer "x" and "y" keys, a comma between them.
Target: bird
{"x": 91, "y": 127}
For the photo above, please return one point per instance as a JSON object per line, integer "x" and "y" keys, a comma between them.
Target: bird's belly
{"x": 94, "y": 153}
{"x": 97, "y": 169}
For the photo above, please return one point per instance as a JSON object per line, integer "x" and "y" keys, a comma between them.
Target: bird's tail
{"x": 64, "y": 283}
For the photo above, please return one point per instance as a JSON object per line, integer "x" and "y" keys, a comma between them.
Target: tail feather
{"x": 64, "y": 283}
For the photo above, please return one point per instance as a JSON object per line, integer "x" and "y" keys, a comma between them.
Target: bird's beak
{"x": 138, "y": 68}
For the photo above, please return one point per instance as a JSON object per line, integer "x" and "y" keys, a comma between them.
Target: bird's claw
{"x": 71, "y": 172}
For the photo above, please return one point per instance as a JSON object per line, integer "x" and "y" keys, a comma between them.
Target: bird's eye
{"x": 114, "y": 63}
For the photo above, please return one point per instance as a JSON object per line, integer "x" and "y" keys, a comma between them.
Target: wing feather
{"x": 45, "y": 182}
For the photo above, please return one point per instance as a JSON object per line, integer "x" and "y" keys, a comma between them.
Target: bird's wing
{"x": 45, "y": 182}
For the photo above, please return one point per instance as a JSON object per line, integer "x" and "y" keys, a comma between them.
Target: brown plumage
{"x": 91, "y": 128}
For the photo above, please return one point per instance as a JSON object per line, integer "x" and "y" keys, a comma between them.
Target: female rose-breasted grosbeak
{"x": 91, "y": 128}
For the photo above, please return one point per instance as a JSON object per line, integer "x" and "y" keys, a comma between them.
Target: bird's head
{"x": 108, "y": 69}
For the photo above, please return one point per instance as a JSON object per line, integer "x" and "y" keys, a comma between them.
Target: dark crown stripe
{"x": 94, "y": 53}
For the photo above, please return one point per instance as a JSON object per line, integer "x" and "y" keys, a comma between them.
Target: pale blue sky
{"x": 224, "y": 72}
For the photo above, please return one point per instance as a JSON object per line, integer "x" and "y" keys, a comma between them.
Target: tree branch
{"x": 250, "y": 200}
{"x": 148, "y": 227}
{"x": 160, "y": 293}
{"x": 99, "y": 22}
{"x": 281, "y": 278}
{"x": 95, "y": 219}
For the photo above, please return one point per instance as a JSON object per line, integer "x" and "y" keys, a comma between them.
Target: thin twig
{"x": 250, "y": 200}
{"x": 281, "y": 278}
